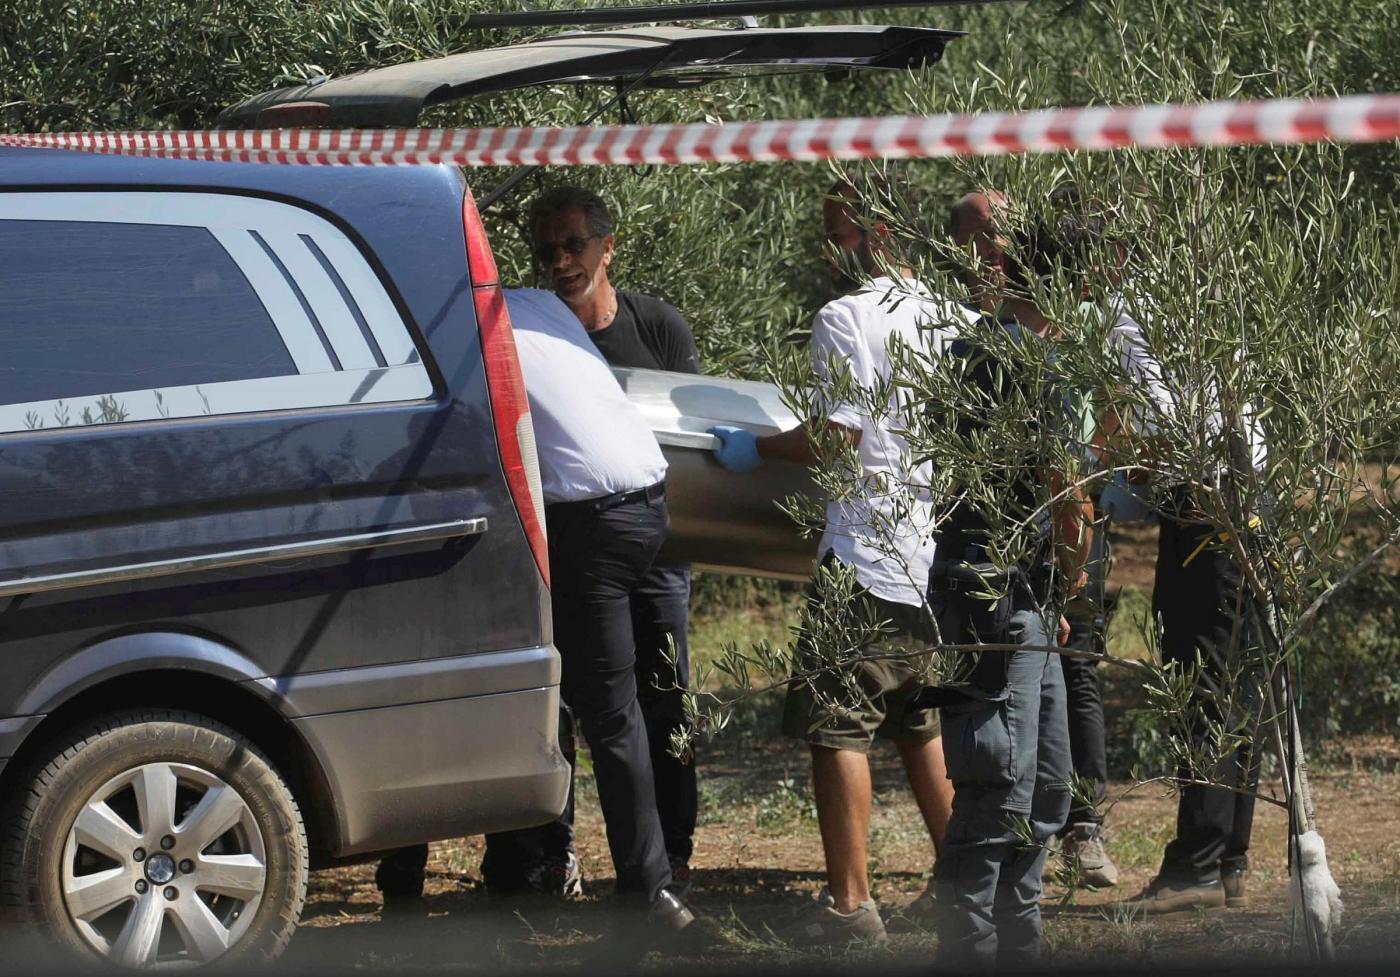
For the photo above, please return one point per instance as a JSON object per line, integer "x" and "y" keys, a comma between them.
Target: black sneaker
{"x": 556, "y": 877}
{"x": 559, "y": 877}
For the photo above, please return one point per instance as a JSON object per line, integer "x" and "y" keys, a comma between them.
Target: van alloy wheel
{"x": 150, "y": 838}
{"x": 165, "y": 863}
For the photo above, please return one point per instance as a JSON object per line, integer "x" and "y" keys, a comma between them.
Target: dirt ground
{"x": 758, "y": 857}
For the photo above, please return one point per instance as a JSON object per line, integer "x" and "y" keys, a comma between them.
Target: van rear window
{"x": 94, "y": 308}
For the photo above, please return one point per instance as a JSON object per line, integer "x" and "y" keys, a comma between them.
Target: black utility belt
{"x": 948, "y": 575}
{"x": 954, "y": 576}
{"x": 652, "y": 494}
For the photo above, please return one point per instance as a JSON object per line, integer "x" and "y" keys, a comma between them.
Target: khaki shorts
{"x": 824, "y": 710}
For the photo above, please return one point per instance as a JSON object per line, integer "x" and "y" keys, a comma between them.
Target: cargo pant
{"x": 1009, "y": 759}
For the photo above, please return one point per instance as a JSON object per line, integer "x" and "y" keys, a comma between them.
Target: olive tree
{"x": 1266, "y": 284}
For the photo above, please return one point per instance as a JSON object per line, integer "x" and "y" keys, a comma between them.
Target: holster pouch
{"x": 966, "y": 584}
{"x": 962, "y": 588}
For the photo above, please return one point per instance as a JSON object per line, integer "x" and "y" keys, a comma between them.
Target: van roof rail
{"x": 711, "y": 10}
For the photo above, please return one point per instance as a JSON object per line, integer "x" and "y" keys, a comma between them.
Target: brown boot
{"x": 1164, "y": 896}
{"x": 1232, "y": 879}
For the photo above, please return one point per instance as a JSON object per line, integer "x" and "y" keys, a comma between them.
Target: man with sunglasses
{"x": 571, "y": 238}
{"x": 570, "y": 233}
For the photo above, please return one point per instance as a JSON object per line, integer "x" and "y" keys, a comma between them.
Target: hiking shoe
{"x": 1163, "y": 896}
{"x": 1232, "y": 879}
{"x": 680, "y": 877}
{"x": 1084, "y": 852}
{"x": 819, "y": 924}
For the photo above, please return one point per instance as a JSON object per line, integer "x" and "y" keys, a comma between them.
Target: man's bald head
{"x": 974, "y": 221}
{"x": 975, "y": 214}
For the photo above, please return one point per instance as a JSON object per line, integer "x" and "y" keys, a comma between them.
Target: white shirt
{"x": 1137, "y": 362}
{"x": 885, "y": 530}
{"x": 1126, "y": 337}
{"x": 590, "y": 440}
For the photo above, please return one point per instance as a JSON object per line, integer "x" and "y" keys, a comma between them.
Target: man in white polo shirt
{"x": 882, "y": 533}
{"x": 605, "y": 512}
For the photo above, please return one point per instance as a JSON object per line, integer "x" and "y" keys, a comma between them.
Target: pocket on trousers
{"x": 977, "y": 744}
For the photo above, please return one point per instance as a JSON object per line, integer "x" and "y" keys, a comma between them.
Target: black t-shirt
{"x": 963, "y": 535}
{"x": 649, "y": 334}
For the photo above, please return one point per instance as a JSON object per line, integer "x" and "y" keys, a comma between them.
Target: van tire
{"x": 70, "y": 772}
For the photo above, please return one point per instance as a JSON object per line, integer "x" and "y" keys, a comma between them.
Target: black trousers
{"x": 1084, "y": 705}
{"x": 598, "y": 558}
{"x": 660, "y": 607}
{"x": 1087, "y": 616}
{"x": 1206, "y": 609}
{"x": 661, "y": 615}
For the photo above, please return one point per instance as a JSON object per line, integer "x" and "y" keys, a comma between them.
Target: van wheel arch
{"x": 229, "y": 703}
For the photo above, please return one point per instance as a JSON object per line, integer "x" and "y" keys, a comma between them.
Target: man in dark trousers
{"x": 602, "y": 477}
{"x": 1206, "y": 611}
{"x": 570, "y": 232}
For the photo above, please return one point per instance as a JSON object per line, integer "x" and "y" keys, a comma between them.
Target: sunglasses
{"x": 547, "y": 251}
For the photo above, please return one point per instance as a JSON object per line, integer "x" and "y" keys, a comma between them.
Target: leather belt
{"x": 652, "y": 494}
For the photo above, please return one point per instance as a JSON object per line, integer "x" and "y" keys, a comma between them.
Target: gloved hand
{"x": 738, "y": 449}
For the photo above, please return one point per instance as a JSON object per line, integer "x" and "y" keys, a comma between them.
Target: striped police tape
{"x": 1357, "y": 118}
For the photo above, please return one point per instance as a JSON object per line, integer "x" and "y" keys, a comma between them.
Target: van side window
{"x": 92, "y": 309}
{"x": 119, "y": 307}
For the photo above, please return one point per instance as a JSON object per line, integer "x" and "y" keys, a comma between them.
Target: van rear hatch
{"x": 657, "y": 57}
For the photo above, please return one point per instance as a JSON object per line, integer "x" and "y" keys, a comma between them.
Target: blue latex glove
{"x": 738, "y": 449}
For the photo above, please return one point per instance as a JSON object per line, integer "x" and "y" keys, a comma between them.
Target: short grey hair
{"x": 556, "y": 200}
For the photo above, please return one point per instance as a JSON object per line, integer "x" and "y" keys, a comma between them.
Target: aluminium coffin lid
{"x": 720, "y": 520}
{"x": 668, "y": 56}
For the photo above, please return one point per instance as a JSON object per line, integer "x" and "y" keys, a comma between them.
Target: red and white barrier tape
{"x": 1358, "y": 118}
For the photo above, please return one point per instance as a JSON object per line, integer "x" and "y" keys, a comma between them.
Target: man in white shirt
{"x": 883, "y": 534}
{"x": 605, "y": 512}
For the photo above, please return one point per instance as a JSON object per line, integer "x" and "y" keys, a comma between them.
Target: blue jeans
{"x": 1008, "y": 757}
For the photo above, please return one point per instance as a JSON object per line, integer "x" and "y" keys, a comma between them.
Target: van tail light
{"x": 510, "y": 409}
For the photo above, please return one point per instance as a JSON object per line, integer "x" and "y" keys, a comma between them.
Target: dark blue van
{"x": 273, "y": 586}
{"x": 273, "y": 576}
